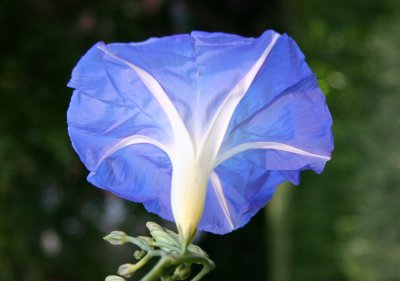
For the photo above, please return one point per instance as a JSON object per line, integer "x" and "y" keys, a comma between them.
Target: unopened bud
{"x": 139, "y": 254}
{"x": 161, "y": 235}
{"x": 146, "y": 239}
{"x": 114, "y": 278}
{"x": 117, "y": 238}
{"x": 126, "y": 270}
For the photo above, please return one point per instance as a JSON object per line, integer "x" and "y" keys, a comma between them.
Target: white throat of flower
{"x": 188, "y": 190}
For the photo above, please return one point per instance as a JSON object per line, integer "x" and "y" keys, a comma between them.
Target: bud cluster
{"x": 176, "y": 258}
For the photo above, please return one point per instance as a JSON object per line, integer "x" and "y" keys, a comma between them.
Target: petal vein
{"x": 265, "y": 145}
{"x": 217, "y": 186}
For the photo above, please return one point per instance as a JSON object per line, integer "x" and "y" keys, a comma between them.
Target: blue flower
{"x": 198, "y": 127}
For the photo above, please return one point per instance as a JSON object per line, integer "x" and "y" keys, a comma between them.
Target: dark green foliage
{"x": 344, "y": 222}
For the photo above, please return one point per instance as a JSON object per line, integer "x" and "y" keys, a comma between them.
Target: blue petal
{"x": 284, "y": 68}
{"x": 196, "y": 71}
{"x": 248, "y": 185}
{"x": 247, "y": 188}
{"x": 282, "y": 106}
{"x": 110, "y": 106}
{"x": 171, "y": 61}
{"x": 95, "y": 126}
{"x": 297, "y": 117}
{"x": 140, "y": 173}
{"x": 111, "y": 103}
{"x": 222, "y": 60}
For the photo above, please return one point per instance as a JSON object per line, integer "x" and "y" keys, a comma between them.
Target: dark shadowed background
{"x": 341, "y": 225}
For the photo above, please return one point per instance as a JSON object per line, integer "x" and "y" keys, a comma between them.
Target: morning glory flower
{"x": 198, "y": 127}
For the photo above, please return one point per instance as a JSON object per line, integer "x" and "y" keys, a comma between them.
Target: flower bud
{"x": 161, "y": 235}
{"x": 126, "y": 270}
{"x": 116, "y": 238}
{"x": 139, "y": 254}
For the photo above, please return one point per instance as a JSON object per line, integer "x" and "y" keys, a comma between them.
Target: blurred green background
{"x": 341, "y": 225}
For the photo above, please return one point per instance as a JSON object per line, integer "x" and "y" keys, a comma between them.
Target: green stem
{"x": 169, "y": 260}
{"x": 139, "y": 243}
{"x": 201, "y": 274}
{"x": 143, "y": 261}
{"x": 208, "y": 265}
{"x": 158, "y": 269}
